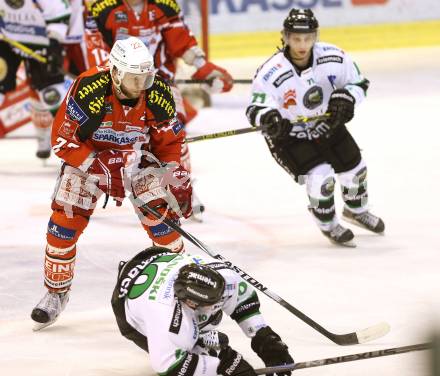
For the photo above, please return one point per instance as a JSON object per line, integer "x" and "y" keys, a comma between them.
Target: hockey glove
{"x": 233, "y": 364}
{"x": 269, "y": 347}
{"x": 54, "y": 57}
{"x": 274, "y": 125}
{"x": 163, "y": 187}
{"x": 108, "y": 168}
{"x": 340, "y": 107}
{"x": 180, "y": 187}
{"x": 220, "y": 80}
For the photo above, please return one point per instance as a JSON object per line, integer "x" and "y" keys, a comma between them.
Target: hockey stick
{"x": 233, "y": 132}
{"x": 24, "y": 48}
{"x": 190, "y": 81}
{"x": 354, "y": 338}
{"x": 344, "y": 358}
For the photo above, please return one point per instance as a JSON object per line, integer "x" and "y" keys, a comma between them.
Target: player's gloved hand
{"x": 180, "y": 187}
{"x": 221, "y": 80}
{"x": 233, "y": 364}
{"x": 163, "y": 186}
{"x": 340, "y": 107}
{"x": 274, "y": 125}
{"x": 271, "y": 349}
{"x": 54, "y": 56}
{"x": 108, "y": 167}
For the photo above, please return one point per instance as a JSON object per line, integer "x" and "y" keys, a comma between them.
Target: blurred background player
{"x": 40, "y": 26}
{"x": 160, "y": 25}
{"x": 110, "y": 115}
{"x": 170, "y": 305}
{"x": 308, "y": 78}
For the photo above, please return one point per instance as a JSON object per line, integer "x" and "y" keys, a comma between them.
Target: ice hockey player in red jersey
{"x": 116, "y": 130}
{"x": 161, "y": 26}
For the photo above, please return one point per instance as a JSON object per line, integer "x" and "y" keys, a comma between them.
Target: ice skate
{"x": 212, "y": 341}
{"x": 341, "y": 236}
{"x": 44, "y": 146}
{"x": 48, "y": 309}
{"x": 365, "y": 220}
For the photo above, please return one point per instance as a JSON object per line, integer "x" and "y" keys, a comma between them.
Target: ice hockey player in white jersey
{"x": 39, "y": 26}
{"x": 309, "y": 78}
{"x": 170, "y": 304}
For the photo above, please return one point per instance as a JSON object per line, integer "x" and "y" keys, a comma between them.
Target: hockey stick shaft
{"x": 344, "y": 358}
{"x": 234, "y": 132}
{"x": 190, "y": 81}
{"x": 24, "y": 48}
{"x": 340, "y": 339}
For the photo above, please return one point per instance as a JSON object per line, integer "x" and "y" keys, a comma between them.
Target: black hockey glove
{"x": 274, "y": 125}
{"x": 233, "y": 364}
{"x": 269, "y": 347}
{"x": 341, "y": 108}
{"x": 55, "y": 57}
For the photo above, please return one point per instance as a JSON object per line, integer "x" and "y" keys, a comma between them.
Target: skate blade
{"x": 349, "y": 244}
{"x": 356, "y": 223}
{"x": 38, "y": 325}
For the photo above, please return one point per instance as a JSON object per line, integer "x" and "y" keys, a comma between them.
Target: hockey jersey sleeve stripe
{"x": 247, "y": 309}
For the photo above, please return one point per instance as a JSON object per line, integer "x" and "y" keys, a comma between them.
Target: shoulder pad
{"x": 100, "y": 6}
{"x": 88, "y": 96}
{"x": 160, "y": 100}
{"x": 168, "y": 7}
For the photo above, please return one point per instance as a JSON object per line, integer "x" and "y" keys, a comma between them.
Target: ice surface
{"x": 256, "y": 217}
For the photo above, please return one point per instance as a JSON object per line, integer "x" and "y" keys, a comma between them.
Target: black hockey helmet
{"x": 200, "y": 284}
{"x": 300, "y": 21}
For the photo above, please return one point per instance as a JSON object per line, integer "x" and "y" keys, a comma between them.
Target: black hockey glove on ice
{"x": 233, "y": 364}
{"x": 269, "y": 347}
{"x": 274, "y": 125}
{"x": 341, "y": 108}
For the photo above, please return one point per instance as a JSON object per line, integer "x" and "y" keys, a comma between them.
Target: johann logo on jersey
{"x": 118, "y": 137}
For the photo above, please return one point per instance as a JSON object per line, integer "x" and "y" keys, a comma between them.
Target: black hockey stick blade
{"x": 344, "y": 359}
{"x": 191, "y": 81}
{"x": 354, "y": 338}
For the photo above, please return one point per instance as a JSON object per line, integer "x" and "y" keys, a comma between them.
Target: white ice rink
{"x": 256, "y": 217}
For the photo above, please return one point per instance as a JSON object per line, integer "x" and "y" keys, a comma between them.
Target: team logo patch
{"x": 177, "y": 127}
{"x": 108, "y": 108}
{"x": 289, "y": 99}
{"x": 67, "y": 129}
{"x": 285, "y": 76}
{"x": 313, "y": 97}
{"x": 160, "y": 230}
{"x": 271, "y": 71}
{"x": 328, "y": 187}
{"x": 330, "y": 59}
{"x": 121, "y": 17}
{"x": 75, "y": 112}
{"x": 60, "y": 231}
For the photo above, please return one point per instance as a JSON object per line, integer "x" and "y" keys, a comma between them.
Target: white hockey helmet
{"x": 132, "y": 56}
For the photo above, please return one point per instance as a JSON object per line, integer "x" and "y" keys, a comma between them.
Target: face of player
{"x": 132, "y": 85}
{"x": 300, "y": 46}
